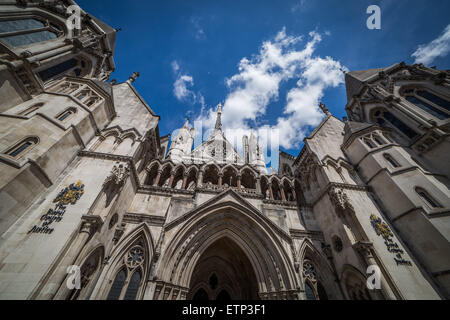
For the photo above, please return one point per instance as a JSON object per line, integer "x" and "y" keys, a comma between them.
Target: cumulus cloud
{"x": 439, "y": 47}
{"x": 182, "y": 87}
{"x": 257, "y": 85}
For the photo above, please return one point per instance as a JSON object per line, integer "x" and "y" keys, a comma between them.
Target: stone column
{"x": 200, "y": 179}
{"x": 270, "y": 190}
{"x": 158, "y": 176}
{"x": 184, "y": 181}
{"x": 239, "y": 182}
{"x": 89, "y": 225}
{"x": 258, "y": 184}
{"x": 220, "y": 180}
{"x": 283, "y": 195}
{"x": 172, "y": 176}
{"x": 294, "y": 195}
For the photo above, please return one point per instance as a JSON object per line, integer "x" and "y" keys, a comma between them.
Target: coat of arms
{"x": 70, "y": 194}
{"x": 381, "y": 228}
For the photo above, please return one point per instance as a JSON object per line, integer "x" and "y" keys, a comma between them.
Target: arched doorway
{"x": 224, "y": 273}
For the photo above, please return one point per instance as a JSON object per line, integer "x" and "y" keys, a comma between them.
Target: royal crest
{"x": 381, "y": 228}
{"x": 70, "y": 194}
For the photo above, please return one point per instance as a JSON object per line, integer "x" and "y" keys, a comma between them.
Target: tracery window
{"x": 429, "y": 102}
{"x": 26, "y": 31}
{"x": 383, "y": 118}
{"x": 313, "y": 287}
{"x": 88, "y": 97}
{"x": 128, "y": 279}
{"x": 20, "y": 148}
{"x": 67, "y": 88}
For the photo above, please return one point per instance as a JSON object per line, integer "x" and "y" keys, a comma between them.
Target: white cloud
{"x": 257, "y": 84}
{"x": 182, "y": 87}
{"x": 175, "y": 66}
{"x": 199, "y": 32}
{"x": 439, "y": 47}
{"x": 299, "y": 6}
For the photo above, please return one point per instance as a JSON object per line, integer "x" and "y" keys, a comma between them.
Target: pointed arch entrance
{"x": 227, "y": 235}
{"x": 223, "y": 272}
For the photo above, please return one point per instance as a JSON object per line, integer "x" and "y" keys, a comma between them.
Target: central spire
{"x": 219, "y": 117}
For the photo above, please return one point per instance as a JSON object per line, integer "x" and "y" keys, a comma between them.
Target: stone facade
{"x": 86, "y": 180}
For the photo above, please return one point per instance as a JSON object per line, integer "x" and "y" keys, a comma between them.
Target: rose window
{"x": 135, "y": 257}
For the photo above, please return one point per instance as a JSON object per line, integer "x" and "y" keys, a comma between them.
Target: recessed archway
{"x": 223, "y": 272}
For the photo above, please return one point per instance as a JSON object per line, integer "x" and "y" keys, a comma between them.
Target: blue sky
{"x": 269, "y": 62}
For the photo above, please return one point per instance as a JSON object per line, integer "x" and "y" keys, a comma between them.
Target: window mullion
{"x": 21, "y": 32}
{"x": 432, "y": 104}
{"x": 125, "y": 284}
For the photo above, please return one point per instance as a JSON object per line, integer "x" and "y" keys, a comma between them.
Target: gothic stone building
{"x": 86, "y": 180}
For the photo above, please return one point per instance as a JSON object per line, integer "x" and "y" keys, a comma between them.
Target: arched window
{"x": 391, "y": 160}
{"x": 429, "y": 102}
{"x": 22, "y": 32}
{"x": 429, "y": 200}
{"x": 66, "y": 114}
{"x": 20, "y": 148}
{"x": 30, "y": 109}
{"x": 313, "y": 287}
{"x": 382, "y": 117}
{"x": 128, "y": 280}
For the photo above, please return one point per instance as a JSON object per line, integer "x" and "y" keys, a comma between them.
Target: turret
{"x": 181, "y": 143}
{"x": 256, "y": 156}
{"x": 245, "y": 147}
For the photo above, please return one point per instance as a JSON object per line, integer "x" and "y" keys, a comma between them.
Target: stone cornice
{"x": 156, "y": 190}
{"x": 290, "y": 204}
{"x": 137, "y": 218}
{"x": 113, "y": 157}
{"x": 300, "y": 234}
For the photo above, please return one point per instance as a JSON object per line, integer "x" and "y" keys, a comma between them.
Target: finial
{"x": 134, "y": 76}
{"x": 324, "y": 109}
{"x": 186, "y": 124}
{"x": 218, "y": 125}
